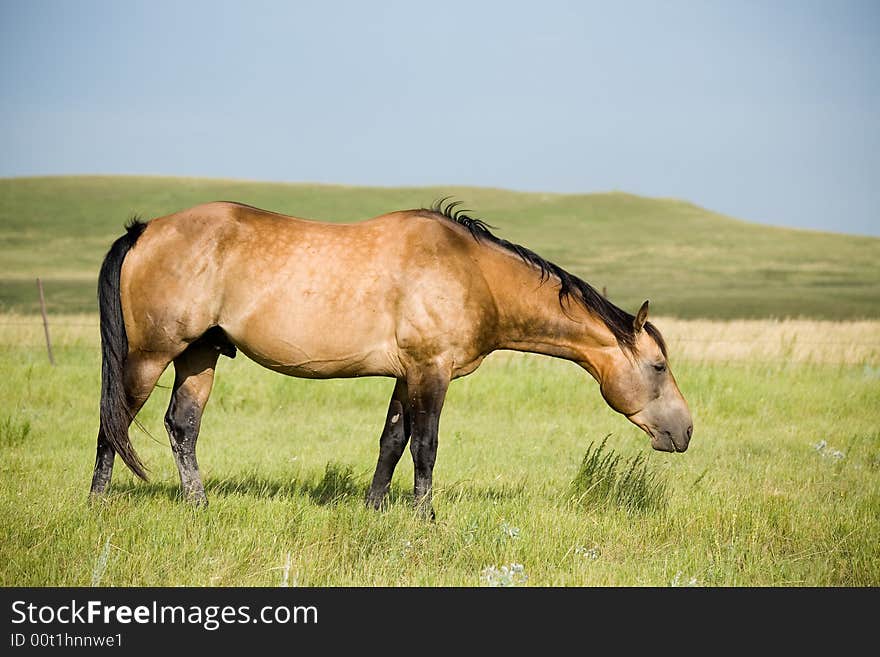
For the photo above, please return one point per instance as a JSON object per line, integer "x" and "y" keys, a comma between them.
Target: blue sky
{"x": 767, "y": 111}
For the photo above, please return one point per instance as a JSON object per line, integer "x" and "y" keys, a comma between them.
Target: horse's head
{"x": 639, "y": 384}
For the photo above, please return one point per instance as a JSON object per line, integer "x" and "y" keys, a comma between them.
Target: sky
{"x": 765, "y": 111}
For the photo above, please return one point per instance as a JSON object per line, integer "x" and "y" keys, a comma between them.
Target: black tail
{"x": 115, "y": 413}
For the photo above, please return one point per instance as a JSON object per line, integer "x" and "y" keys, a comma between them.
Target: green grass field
{"x": 287, "y": 463}
{"x": 781, "y": 485}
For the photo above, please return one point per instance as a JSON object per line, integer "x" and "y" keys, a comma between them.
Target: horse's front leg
{"x": 426, "y": 392}
{"x": 395, "y": 435}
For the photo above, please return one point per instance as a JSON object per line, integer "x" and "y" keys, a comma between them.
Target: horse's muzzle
{"x": 665, "y": 441}
{"x": 672, "y": 439}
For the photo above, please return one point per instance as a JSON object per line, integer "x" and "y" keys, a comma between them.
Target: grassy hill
{"x": 689, "y": 261}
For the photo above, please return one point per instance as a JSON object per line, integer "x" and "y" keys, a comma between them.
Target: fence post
{"x": 45, "y": 322}
{"x": 604, "y": 292}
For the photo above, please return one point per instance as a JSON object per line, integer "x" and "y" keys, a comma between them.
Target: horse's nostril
{"x": 690, "y": 431}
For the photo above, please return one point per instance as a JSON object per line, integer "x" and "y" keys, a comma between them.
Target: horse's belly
{"x": 373, "y": 363}
{"x": 317, "y": 345}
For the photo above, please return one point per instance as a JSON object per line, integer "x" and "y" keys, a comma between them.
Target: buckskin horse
{"x": 422, "y": 296}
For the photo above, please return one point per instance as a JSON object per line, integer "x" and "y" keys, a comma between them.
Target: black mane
{"x": 616, "y": 319}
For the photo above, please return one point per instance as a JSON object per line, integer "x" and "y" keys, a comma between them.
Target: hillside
{"x": 689, "y": 261}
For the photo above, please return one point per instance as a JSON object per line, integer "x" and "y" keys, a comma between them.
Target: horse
{"x": 421, "y": 296}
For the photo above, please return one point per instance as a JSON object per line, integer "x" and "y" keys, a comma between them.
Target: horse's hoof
{"x": 374, "y": 502}
{"x": 426, "y": 512}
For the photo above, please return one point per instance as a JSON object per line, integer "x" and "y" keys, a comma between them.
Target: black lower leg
{"x": 427, "y": 403}
{"x": 103, "y": 466}
{"x": 424, "y": 453}
{"x": 392, "y": 442}
{"x": 182, "y": 421}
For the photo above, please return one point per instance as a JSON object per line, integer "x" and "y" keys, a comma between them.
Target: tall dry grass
{"x": 793, "y": 340}
{"x": 784, "y": 340}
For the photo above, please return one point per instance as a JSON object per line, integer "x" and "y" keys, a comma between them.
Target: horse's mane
{"x": 619, "y": 322}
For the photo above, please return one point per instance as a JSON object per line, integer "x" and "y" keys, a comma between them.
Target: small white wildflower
{"x": 587, "y": 553}
{"x": 513, "y": 574}
{"x": 509, "y": 531}
{"x": 488, "y": 575}
{"x": 826, "y": 452}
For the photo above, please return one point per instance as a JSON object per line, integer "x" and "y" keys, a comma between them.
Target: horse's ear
{"x": 641, "y": 317}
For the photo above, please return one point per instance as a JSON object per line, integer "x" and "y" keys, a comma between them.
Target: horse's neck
{"x": 530, "y": 318}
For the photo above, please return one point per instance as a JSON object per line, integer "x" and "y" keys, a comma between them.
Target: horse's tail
{"x": 115, "y": 413}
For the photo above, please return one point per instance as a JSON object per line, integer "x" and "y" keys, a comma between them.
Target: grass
{"x": 287, "y": 462}
{"x": 691, "y": 262}
{"x": 13, "y": 431}
{"x": 605, "y": 477}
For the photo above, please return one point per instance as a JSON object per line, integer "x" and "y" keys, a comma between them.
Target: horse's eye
{"x": 660, "y": 367}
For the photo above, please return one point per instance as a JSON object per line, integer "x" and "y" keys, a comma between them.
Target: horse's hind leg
{"x": 193, "y": 378}
{"x": 395, "y": 434}
{"x": 142, "y": 371}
